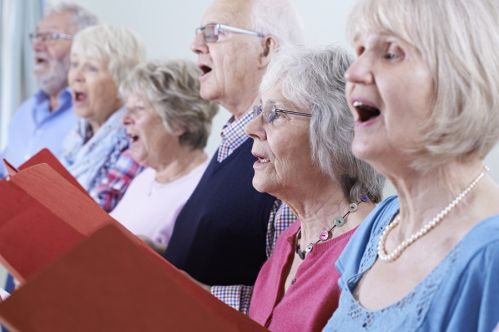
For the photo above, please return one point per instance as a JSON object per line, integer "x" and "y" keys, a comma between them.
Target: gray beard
{"x": 56, "y": 79}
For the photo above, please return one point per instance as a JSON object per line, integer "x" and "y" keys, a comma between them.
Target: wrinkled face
{"x": 95, "y": 95}
{"x": 282, "y": 148}
{"x": 230, "y": 65}
{"x": 151, "y": 143}
{"x": 52, "y": 56}
{"x": 389, "y": 91}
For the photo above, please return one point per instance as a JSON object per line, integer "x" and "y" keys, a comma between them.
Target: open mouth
{"x": 133, "y": 138}
{"x": 40, "y": 60}
{"x": 260, "y": 159}
{"x": 366, "y": 112}
{"x": 205, "y": 69}
{"x": 79, "y": 96}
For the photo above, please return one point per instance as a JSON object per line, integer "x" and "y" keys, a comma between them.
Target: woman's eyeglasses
{"x": 271, "y": 113}
{"x": 211, "y": 32}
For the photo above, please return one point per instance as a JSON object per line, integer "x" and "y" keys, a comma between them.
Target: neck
{"x": 95, "y": 126}
{"x": 319, "y": 205}
{"x": 424, "y": 194}
{"x": 185, "y": 161}
{"x": 54, "y": 98}
{"x": 238, "y": 108}
{"x": 54, "y": 103}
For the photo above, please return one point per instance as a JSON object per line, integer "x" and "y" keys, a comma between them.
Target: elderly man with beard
{"x": 226, "y": 229}
{"x": 46, "y": 118}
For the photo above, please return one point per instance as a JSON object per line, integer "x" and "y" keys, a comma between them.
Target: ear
{"x": 178, "y": 131}
{"x": 269, "y": 47}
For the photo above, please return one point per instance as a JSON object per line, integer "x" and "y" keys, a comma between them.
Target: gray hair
{"x": 119, "y": 46}
{"x": 172, "y": 88}
{"x": 461, "y": 53}
{"x": 82, "y": 18}
{"x": 278, "y": 18}
{"x": 313, "y": 79}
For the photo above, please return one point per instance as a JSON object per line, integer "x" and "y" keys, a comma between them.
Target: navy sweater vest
{"x": 219, "y": 236}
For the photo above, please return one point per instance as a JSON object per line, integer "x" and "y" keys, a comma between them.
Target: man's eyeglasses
{"x": 211, "y": 32}
{"x": 272, "y": 113}
{"x": 49, "y": 36}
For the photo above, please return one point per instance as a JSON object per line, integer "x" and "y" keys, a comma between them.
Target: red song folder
{"x": 112, "y": 282}
{"x": 82, "y": 271}
{"x": 43, "y": 213}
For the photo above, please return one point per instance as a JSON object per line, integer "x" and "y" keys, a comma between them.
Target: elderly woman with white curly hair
{"x": 96, "y": 152}
{"x": 302, "y": 134}
{"x": 424, "y": 91}
{"x": 168, "y": 124}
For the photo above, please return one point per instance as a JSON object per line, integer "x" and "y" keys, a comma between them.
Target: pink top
{"x": 311, "y": 299}
{"x": 150, "y": 208}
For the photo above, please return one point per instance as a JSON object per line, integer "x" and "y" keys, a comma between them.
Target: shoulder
{"x": 470, "y": 291}
{"x": 365, "y": 237}
{"x": 480, "y": 247}
{"x": 24, "y": 110}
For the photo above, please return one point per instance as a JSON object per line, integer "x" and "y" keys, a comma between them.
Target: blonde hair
{"x": 119, "y": 46}
{"x": 457, "y": 39}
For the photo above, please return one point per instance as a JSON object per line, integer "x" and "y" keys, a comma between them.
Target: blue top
{"x": 34, "y": 127}
{"x": 460, "y": 294}
{"x": 219, "y": 236}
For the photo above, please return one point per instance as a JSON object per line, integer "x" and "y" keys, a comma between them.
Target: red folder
{"x": 44, "y": 156}
{"x": 44, "y": 212}
{"x": 112, "y": 282}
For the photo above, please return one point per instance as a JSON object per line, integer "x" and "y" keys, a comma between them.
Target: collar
{"x": 233, "y": 131}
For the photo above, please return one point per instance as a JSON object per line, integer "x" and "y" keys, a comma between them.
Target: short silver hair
{"x": 457, "y": 39}
{"x": 313, "y": 79}
{"x": 82, "y": 17}
{"x": 118, "y": 46}
{"x": 172, "y": 88}
{"x": 278, "y": 18}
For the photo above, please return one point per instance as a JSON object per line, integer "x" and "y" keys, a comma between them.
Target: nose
{"x": 199, "y": 45}
{"x": 360, "y": 71}
{"x": 255, "y": 129}
{"x": 38, "y": 45}
{"x": 75, "y": 74}
{"x": 127, "y": 117}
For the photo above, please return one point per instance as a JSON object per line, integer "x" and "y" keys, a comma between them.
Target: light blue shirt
{"x": 34, "y": 127}
{"x": 460, "y": 294}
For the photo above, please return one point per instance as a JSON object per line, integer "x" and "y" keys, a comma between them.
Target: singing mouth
{"x": 365, "y": 112}
{"x": 205, "y": 69}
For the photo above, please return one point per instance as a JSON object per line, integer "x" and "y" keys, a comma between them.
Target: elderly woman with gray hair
{"x": 168, "y": 124}
{"x": 302, "y": 133}
{"x": 95, "y": 153}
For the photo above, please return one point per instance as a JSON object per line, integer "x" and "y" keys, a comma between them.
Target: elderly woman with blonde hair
{"x": 424, "y": 91}
{"x": 95, "y": 153}
{"x": 302, "y": 133}
{"x": 168, "y": 124}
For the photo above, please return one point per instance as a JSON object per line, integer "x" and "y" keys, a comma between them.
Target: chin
{"x": 259, "y": 185}
{"x": 263, "y": 186}
{"x": 207, "y": 92}
{"x": 82, "y": 112}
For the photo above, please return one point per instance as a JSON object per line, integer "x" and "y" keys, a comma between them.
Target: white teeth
{"x": 357, "y": 103}
{"x": 263, "y": 161}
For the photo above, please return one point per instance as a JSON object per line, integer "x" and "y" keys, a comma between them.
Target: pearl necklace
{"x": 390, "y": 257}
{"x": 327, "y": 233}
